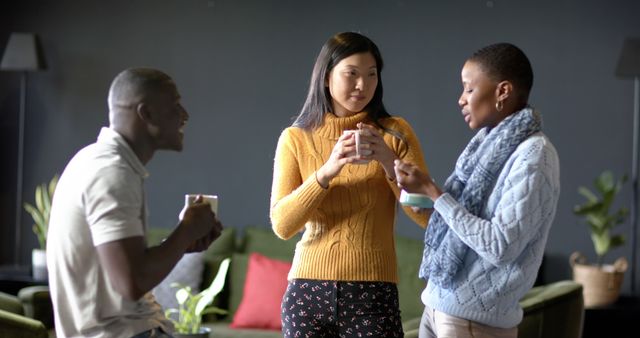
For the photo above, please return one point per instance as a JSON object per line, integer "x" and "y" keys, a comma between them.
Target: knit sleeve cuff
{"x": 445, "y": 204}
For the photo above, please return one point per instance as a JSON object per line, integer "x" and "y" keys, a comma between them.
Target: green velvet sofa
{"x": 240, "y": 243}
{"x": 18, "y": 322}
{"x": 553, "y": 310}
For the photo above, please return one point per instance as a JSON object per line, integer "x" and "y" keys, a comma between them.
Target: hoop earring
{"x": 499, "y": 106}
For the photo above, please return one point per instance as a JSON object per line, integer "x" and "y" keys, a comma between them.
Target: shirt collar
{"x": 112, "y": 137}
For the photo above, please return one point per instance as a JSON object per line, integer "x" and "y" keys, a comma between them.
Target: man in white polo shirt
{"x": 100, "y": 268}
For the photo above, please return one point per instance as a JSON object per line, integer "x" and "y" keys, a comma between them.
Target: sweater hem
{"x": 506, "y": 320}
{"x": 344, "y": 266}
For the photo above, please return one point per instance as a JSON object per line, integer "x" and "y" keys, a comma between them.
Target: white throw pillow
{"x": 188, "y": 271}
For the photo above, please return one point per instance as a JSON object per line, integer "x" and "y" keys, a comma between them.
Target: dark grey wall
{"x": 243, "y": 68}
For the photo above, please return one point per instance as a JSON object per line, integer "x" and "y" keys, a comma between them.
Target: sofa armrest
{"x": 553, "y": 310}
{"x": 11, "y": 303}
{"x": 14, "y": 325}
{"x": 37, "y": 304}
{"x": 411, "y": 327}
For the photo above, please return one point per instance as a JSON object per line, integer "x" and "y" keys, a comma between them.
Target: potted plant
{"x": 601, "y": 282}
{"x": 191, "y": 306}
{"x": 40, "y": 214}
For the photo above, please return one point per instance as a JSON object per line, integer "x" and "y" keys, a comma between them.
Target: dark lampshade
{"x": 629, "y": 62}
{"x": 23, "y": 53}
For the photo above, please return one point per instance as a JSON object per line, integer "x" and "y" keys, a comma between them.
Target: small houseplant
{"x": 191, "y": 306}
{"x": 40, "y": 214}
{"x": 601, "y": 281}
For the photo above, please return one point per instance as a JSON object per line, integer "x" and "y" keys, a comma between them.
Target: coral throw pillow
{"x": 263, "y": 290}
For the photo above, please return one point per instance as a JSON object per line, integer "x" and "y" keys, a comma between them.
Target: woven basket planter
{"x": 601, "y": 284}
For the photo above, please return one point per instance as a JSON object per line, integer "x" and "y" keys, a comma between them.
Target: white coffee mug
{"x": 359, "y": 151}
{"x": 189, "y": 199}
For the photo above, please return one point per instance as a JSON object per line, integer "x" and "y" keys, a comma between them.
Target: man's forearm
{"x": 134, "y": 269}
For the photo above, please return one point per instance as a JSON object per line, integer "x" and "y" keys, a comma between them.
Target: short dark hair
{"x": 136, "y": 84}
{"x": 506, "y": 62}
{"x": 318, "y": 102}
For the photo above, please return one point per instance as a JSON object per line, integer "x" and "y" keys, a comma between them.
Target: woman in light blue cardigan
{"x": 489, "y": 227}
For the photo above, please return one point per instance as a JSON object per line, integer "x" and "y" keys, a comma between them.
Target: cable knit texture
{"x": 349, "y": 227}
{"x": 470, "y": 183}
{"x": 506, "y": 241}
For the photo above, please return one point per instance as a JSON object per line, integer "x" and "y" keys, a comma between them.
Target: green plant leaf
{"x": 182, "y": 295}
{"x": 596, "y": 231}
{"x": 42, "y": 236}
{"x": 169, "y": 312}
{"x": 587, "y": 208}
{"x": 191, "y": 307}
{"x": 597, "y": 214}
{"x": 621, "y": 215}
{"x": 591, "y": 197}
{"x": 601, "y": 243}
{"x": 53, "y": 184}
{"x": 617, "y": 240}
{"x": 42, "y": 209}
{"x": 35, "y": 213}
{"x": 216, "y": 286}
{"x": 605, "y": 182}
{"x": 215, "y": 310}
{"x": 39, "y": 200}
{"x": 597, "y": 220}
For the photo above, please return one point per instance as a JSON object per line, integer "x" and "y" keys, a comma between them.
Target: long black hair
{"x": 318, "y": 102}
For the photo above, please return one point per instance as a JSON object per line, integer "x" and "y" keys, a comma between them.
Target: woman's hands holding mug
{"x": 357, "y": 147}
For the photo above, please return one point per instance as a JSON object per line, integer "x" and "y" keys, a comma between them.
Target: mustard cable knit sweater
{"x": 349, "y": 227}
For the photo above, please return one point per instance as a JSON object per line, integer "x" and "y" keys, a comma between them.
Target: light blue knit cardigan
{"x": 506, "y": 242}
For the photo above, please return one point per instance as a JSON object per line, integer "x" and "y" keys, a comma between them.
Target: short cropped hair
{"x": 506, "y": 62}
{"x": 135, "y": 84}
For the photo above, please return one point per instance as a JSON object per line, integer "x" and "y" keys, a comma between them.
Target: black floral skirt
{"x": 322, "y": 308}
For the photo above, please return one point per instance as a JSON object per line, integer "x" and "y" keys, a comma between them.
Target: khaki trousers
{"x": 436, "y": 324}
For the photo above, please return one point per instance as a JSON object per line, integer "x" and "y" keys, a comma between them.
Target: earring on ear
{"x": 499, "y": 106}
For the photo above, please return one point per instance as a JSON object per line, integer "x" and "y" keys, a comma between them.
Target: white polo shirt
{"x": 99, "y": 199}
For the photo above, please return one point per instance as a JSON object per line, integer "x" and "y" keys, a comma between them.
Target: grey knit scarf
{"x": 470, "y": 184}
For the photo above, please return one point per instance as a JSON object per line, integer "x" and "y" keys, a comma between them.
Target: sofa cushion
{"x": 210, "y": 260}
{"x": 408, "y": 250}
{"x": 220, "y": 249}
{"x": 409, "y": 254}
{"x": 235, "y": 280}
{"x": 255, "y": 239}
{"x": 265, "y": 284}
{"x": 262, "y": 240}
{"x": 222, "y": 330}
{"x": 188, "y": 272}
{"x": 223, "y": 247}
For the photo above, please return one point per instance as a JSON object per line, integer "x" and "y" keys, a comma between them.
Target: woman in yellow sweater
{"x": 344, "y": 274}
